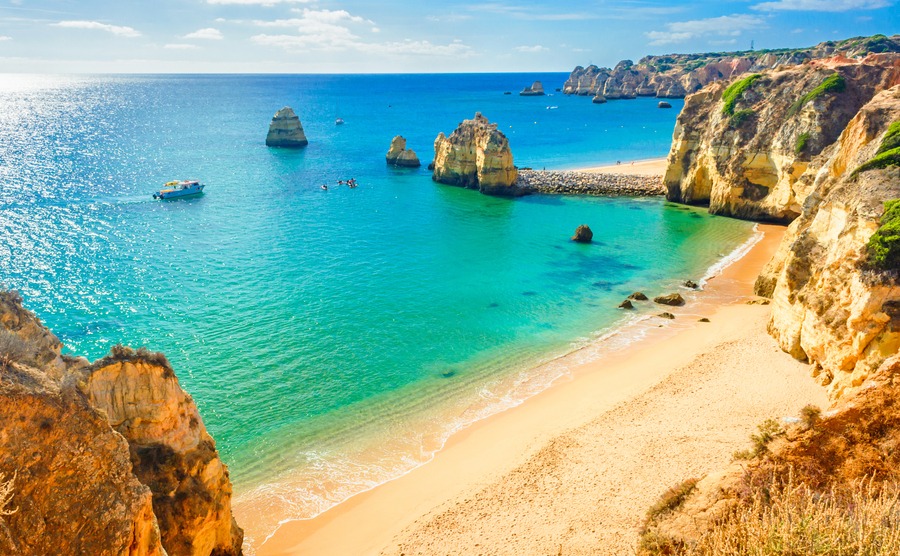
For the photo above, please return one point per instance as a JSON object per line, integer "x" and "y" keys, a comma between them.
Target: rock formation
{"x": 286, "y": 130}
{"x": 110, "y": 458}
{"x": 583, "y": 234}
{"x": 535, "y": 90}
{"x": 627, "y": 304}
{"x": 676, "y": 75}
{"x": 599, "y": 99}
{"x": 476, "y": 156}
{"x": 399, "y": 155}
{"x": 673, "y": 299}
{"x": 664, "y": 104}
{"x": 638, "y": 296}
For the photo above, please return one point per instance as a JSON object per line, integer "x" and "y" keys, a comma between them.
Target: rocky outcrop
{"x": 753, "y": 149}
{"x": 399, "y": 155}
{"x": 583, "y": 234}
{"x": 286, "y": 130}
{"x": 110, "y": 458}
{"x": 476, "y": 156}
{"x": 828, "y": 307}
{"x": 535, "y": 90}
{"x": 673, "y": 299}
{"x": 677, "y": 75}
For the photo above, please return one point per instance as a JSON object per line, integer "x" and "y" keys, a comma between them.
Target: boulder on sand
{"x": 673, "y": 299}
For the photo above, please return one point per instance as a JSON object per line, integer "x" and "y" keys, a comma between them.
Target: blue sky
{"x": 396, "y": 36}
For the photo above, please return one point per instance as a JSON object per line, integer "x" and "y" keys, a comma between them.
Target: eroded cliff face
{"x": 758, "y": 157}
{"x": 285, "y": 130}
{"x": 110, "y": 458}
{"x": 476, "y": 156}
{"x": 827, "y": 307}
{"x": 677, "y": 75}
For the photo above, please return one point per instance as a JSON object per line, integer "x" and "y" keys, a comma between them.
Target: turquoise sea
{"x": 332, "y": 339}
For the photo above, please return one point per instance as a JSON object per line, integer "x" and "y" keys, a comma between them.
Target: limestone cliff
{"x": 399, "y": 155}
{"x": 285, "y": 130}
{"x": 677, "y": 75}
{"x": 753, "y": 149}
{"x": 477, "y": 156}
{"x": 110, "y": 458}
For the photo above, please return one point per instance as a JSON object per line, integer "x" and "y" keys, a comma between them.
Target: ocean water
{"x": 332, "y": 339}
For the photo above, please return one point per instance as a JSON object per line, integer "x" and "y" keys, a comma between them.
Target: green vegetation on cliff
{"x": 888, "y": 153}
{"x": 801, "y": 143}
{"x": 734, "y": 92}
{"x": 834, "y": 83}
{"x": 883, "y": 249}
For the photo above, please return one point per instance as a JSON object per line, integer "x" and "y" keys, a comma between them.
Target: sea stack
{"x": 599, "y": 99}
{"x": 583, "y": 234}
{"x": 535, "y": 90}
{"x": 286, "y": 130}
{"x": 476, "y": 156}
{"x": 399, "y": 155}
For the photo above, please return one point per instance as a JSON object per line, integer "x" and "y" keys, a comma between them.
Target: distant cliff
{"x": 785, "y": 145}
{"x": 108, "y": 458}
{"x": 677, "y": 75}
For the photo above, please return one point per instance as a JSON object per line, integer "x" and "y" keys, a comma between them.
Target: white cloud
{"x": 268, "y": 3}
{"x": 449, "y": 18}
{"x": 208, "y": 33}
{"x": 180, "y": 46}
{"x": 114, "y": 29}
{"x": 533, "y": 49}
{"x": 317, "y": 29}
{"x": 5, "y": 38}
{"x": 822, "y": 5}
{"x": 528, "y": 12}
{"x": 723, "y": 26}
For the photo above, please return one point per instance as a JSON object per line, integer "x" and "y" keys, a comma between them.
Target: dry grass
{"x": 796, "y": 520}
{"x": 6, "y": 494}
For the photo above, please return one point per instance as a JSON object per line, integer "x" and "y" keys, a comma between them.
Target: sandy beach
{"x": 649, "y": 167}
{"x": 574, "y": 469}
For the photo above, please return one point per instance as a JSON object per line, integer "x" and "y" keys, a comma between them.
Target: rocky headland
{"x": 677, "y": 75}
{"x": 476, "y": 156}
{"x": 285, "y": 130}
{"x": 107, "y": 458}
{"x": 399, "y": 155}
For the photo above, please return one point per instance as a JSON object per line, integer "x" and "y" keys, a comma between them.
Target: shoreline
{"x": 643, "y": 167}
{"x": 493, "y": 446}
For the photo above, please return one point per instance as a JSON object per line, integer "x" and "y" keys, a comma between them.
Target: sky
{"x": 406, "y": 36}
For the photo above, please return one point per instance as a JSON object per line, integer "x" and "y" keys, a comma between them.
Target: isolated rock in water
{"x": 599, "y": 99}
{"x": 691, "y": 284}
{"x": 583, "y": 234}
{"x": 286, "y": 130}
{"x": 535, "y": 90}
{"x": 664, "y": 104}
{"x": 627, "y": 304}
{"x": 638, "y": 296}
{"x": 673, "y": 299}
{"x": 666, "y": 315}
{"x": 476, "y": 156}
{"x": 399, "y": 155}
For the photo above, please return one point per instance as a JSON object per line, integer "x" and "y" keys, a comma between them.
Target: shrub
{"x": 811, "y": 415}
{"x": 767, "y": 432}
{"x": 883, "y": 248}
{"x": 801, "y": 143}
{"x": 734, "y": 92}
{"x": 738, "y": 118}
{"x": 834, "y": 83}
{"x": 891, "y": 139}
{"x": 888, "y": 153}
{"x": 671, "y": 500}
{"x": 12, "y": 349}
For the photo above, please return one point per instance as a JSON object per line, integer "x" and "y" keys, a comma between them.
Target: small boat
{"x": 339, "y": 121}
{"x": 177, "y": 189}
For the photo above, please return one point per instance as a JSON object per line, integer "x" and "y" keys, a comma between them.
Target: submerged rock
{"x": 476, "y": 156}
{"x": 399, "y": 155}
{"x": 691, "y": 284}
{"x": 535, "y": 90}
{"x": 638, "y": 296}
{"x": 583, "y": 234}
{"x": 673, "y": 299}
{"x": 286, "y": 130}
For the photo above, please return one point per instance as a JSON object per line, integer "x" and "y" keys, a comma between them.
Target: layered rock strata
{"x": 677, "y": 75}
{"x": 285, "y": 130}
{"x": 110, "y": 458}
{"x": 399, "y": 155}
{"x": 476, "y": 156}
{"x": 536, "y": 89}
{"x": 589, "y": 183}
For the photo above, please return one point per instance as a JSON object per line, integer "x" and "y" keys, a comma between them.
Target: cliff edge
{"x": 105, "y": 458}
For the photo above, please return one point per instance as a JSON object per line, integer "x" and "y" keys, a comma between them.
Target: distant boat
{"x": 552, "y": 107}
{"x": 177, "y": 189}
{"x": 339, "y": 121}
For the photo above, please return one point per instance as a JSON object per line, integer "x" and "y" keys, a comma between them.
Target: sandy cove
{"x": 648, "y": 167}
{"x": 574, "y": 469}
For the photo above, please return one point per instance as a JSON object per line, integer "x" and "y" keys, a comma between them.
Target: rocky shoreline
{"x": 571, "y": 182}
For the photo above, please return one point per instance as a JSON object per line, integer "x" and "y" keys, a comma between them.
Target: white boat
{"x": 339, "y": 121}
{"x": 177, "y": 189}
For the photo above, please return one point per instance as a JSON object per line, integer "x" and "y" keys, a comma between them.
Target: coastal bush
{"x": 6, "y": 494}
{"x": 734, "y": 92}
{"x": 810, "y": 415}
{"x": 891, "y": 139}
{"x": 671, "y": 499}
{"x": 12, "y": 349}
{"x": 888, "y": 153}
{"x": 834, "y": 83}
{"x": 738, "y": 118}
{"x": 801, "y": 143}
{"x": 121, "y": 354}
{"x": 883, "y": 248}
{"x": 766, "y": 433}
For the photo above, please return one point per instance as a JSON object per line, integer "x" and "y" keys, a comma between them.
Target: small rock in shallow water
{"x": 673, "y": 299}
{"x": 626, "y": 304}
{"x": 583, "y": 234}
{"x": 691, "y": 284}
{"x": 638, "y": 296}
{"x": 704, "y": 319}
{"x": 666, "y": 315}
